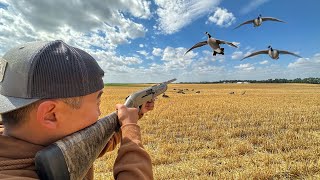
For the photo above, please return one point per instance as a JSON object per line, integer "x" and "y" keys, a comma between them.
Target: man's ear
{"x": 46, "y": 114}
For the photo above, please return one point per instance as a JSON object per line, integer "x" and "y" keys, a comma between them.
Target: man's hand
{"x": 148, "y": 106}
{"x": 132, "y": 115}
{"x": 127, "y": 115}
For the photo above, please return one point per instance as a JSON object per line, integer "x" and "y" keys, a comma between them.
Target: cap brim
{"x": 8, "y": 104}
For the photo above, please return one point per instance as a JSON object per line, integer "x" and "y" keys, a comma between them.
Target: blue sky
{"x": 138, "y": 41}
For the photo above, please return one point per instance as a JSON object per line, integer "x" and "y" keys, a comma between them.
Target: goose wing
{"x": 199, "y": 44}
{"x": 271, "y": 19}
{"x": 256, "y": 53}
{"x": 226, "y": 42}
{"x": 247, "y": 22}
{"x": 287, "y": 52}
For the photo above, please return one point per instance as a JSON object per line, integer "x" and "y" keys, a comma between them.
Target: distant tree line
{"x": 310, "y": 80}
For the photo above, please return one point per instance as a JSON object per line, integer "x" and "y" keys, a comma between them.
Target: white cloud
{"x": 81, "y": 14}
{"x": 176, "y": 14}
{"x": 198, "y": 70}
{"x": 264, "y": 62}
{"x": 132, "y": 60}
{"x": 300, "y": 68}
{"x": 237, "y": 55}
{"x": 312, "y": 64}
{"x": 174, "y": 58}
{"x": 173, "y": 54}
{"x": 245, "y": 67}
{"x": 207, "y": 56}
{"x": 100, "y": 29}
{"x": 177, "y": 56}
{"x": 143, "y": 52}
{"x": 252, "y": 5}
{"x": 304, "y": 67}
{"x": 113, "y": 60}
{"x": 222, "y": 18}
{"x": 157, "y": 52}
{"x": 301, "y": 62}
{"x": 98, "y": 25}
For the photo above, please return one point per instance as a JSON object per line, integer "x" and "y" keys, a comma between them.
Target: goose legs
{"x": 215, "y": 53}
{"x": 222, "y": 51}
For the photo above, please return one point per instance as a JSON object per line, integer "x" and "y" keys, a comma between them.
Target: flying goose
{"x": 214, "y": 44}
{"x": 258, "y": 21}
{"x": 273, "y": 53}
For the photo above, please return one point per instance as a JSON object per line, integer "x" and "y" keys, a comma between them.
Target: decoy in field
{"x": 258, "y": 21}
{"x": 214, "y": 44}
{"x": 273, "y": 53}
{"x": 180, "y": 91}
{"x": 164, "y": 95}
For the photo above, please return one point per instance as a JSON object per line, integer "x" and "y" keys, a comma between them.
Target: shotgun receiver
{"x": 72, "y": 156}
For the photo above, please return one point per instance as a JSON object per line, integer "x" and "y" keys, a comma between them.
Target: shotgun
{"x": 72, "y": 156}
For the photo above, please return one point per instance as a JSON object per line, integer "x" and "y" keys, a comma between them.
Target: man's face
{"x": 73, "y": 120}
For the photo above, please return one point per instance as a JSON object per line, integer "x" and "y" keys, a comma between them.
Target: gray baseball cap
{"x": 46, "y": 70}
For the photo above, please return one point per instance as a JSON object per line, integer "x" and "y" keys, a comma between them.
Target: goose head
{"x": 209, "y": 36}
{"x": 269, "y": 47}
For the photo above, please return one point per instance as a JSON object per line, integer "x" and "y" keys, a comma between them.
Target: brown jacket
{"x": 133, "y": 162}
